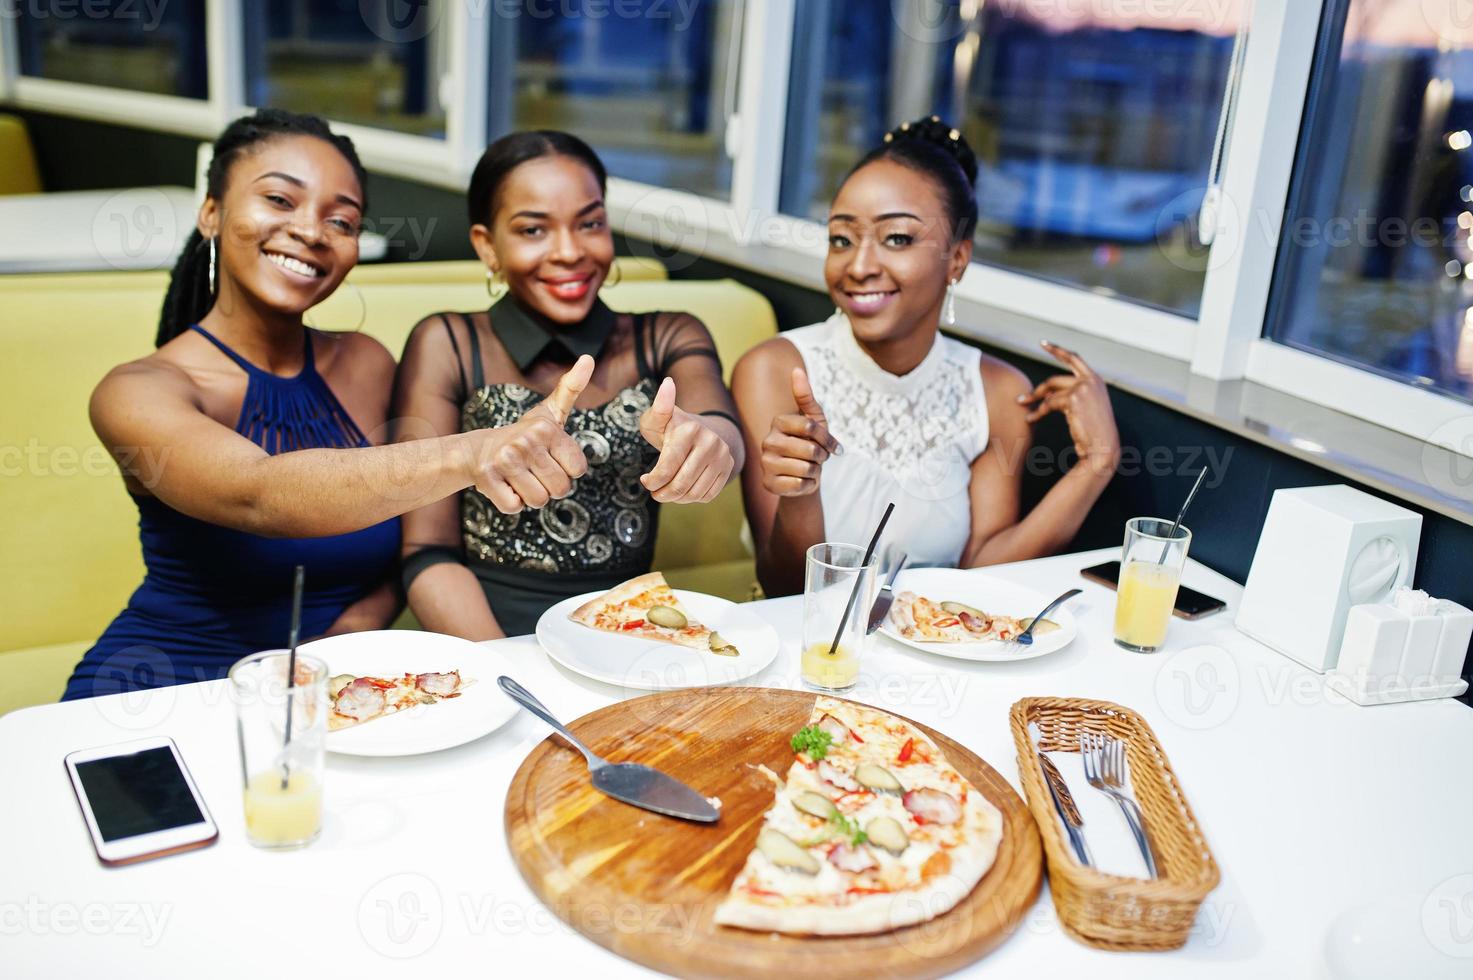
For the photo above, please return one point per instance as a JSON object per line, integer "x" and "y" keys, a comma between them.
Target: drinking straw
{"x": 1170, "y": 537}
{"x": 854, "y": 593}
{"x": 291, "y": 668}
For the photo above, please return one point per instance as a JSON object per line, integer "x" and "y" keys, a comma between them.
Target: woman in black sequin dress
{"x": 655, "y": 422}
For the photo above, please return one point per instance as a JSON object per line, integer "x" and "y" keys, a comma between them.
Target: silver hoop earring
{"x": 948, "y": 307}
{"x": 212, "y": 267}
{"x": 493, "y": 278}
{"x": 362, "y": 311}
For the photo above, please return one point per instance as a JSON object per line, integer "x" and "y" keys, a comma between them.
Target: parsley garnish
{"x": 848, "y": 828}
{"x": 812, "y": 741}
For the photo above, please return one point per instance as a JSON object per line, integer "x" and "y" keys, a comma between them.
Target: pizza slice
{"x": 916, "y": 617}
{"x": 646, "y": 607}
{"x": 359, "y": 699}
{"x": 872, "y": 830}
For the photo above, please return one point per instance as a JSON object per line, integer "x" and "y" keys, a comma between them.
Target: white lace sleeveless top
{"x": 911, "y": 439}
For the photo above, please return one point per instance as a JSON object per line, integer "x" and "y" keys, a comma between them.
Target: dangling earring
{"x": 496, "y": 287}
{"x": 618, "y": 275}
{"x": 212, "y": 266}
{"x": 948, "y": 308}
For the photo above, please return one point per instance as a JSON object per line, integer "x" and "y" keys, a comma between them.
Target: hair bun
{"x": 937, "y": 132}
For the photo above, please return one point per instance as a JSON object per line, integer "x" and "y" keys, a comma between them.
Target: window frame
{"x": 1224, "y": 343}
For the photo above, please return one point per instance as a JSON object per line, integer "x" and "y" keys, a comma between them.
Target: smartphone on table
{"x": 1190, "y": 604}
{"x": 139, "y": 800}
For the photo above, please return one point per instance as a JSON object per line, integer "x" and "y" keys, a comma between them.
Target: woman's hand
{"x": 534, "y": 460}
{"x": 1083, "y": 398}
{"x": 797, "y": 444}
{"x": 694, "y": 462}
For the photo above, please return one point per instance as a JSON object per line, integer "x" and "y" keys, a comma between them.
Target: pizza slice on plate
{"x": 926, "y": 621}
{"x": 872, "y": 830}
{"x": 646, "y": 607}
{"x": 359, "y": 699}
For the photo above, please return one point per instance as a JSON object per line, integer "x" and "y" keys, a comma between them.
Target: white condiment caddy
{"x": 1408, "y": 649}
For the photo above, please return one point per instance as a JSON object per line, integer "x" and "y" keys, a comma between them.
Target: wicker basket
{"x": 1100, "y": 909}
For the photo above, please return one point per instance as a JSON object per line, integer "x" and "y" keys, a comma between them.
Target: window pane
{"x": 1093, "y": 124}
{"x": 645, "y": 83}
{"x": 1375, "y": 265}
{"x": 157, "y": 48}
{"x": 374, "y": 62}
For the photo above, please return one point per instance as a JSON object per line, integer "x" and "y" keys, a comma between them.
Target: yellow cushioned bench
{"x": 18, "y": 171}
{"x": 71, "y": 555}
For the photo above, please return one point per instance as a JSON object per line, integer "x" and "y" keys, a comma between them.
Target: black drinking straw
{"x": 854, "y": 593}
{"x": 1171, "y": 536}
{"x": 291, "y": 668}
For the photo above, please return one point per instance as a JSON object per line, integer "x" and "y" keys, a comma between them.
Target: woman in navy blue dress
{"x": 268, "y": 439}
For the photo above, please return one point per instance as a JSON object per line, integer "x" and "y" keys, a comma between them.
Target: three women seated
{"x": 520, "y": 454}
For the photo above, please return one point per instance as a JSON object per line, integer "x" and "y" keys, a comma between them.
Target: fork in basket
{"x": 1105, "y": 769}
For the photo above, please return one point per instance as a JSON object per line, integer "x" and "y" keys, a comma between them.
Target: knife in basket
{"x": 1067, "y": 810}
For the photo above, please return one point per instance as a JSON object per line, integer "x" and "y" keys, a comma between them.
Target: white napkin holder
{"x": 1409, "y": 649}
{"x": 1323, "y": 550}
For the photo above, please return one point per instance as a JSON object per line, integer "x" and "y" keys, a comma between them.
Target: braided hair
{"x": 515, "y": 149}
{"x": 934, "y": 148}
{"x": 191, "y": 294}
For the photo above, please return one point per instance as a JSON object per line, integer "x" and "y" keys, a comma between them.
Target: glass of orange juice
{"x": 1150, "y": 571}
{"x": 281, "y": 772}
{"x": 832, "y": 572}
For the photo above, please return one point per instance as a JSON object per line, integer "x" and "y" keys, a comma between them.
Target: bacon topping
{"x": 360, "y": 700}
{"x": 932, "y": 806}
{"x": 854, "y": 859}
{"x": 833, "y": 774}
{"x": 836, "y": 728}
{"x": 439, "y": 684}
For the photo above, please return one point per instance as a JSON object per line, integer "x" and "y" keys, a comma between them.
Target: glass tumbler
{"x": 833, "y": 571}
{"x": 1150, "y": 571}
{"x": 281, "y": 765}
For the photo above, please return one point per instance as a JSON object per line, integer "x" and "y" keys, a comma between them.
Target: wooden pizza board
{"x": 645, "y": 886}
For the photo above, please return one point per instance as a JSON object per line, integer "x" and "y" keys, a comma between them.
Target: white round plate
{"x": 650, "y": 665}
{"x": 991, "y": 595}
{"x": 480, "y": 709}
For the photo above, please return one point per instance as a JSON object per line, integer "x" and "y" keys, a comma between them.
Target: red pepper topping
{"x": 906, "y": 750}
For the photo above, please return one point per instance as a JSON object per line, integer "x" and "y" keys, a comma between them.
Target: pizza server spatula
{"x": 627, "y": 781}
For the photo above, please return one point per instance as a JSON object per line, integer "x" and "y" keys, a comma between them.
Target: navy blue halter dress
{"x": 212, "y": 595}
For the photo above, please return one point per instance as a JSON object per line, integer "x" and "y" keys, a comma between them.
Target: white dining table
{"x": 1343, "y": 832}
{"x": 119, "y": 229}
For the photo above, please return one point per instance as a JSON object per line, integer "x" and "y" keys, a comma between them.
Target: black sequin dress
{"x": 600, "y": 535}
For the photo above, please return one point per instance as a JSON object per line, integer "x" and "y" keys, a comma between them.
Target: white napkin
{"x": 1110, "y": 841}
{"x": 1414, "y": 602}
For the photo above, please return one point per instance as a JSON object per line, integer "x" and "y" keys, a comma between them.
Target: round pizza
{"x": 871, "y": 830}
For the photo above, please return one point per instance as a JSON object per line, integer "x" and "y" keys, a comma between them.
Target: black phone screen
{"x": 138, "y": 793}
{"x": 1189, "y": 602}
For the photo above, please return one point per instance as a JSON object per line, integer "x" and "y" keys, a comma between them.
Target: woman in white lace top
{"x": 874, "y": 404}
